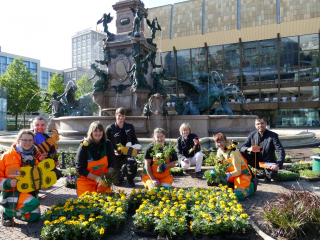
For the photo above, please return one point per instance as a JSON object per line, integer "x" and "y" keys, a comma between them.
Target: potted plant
{"x": 288, "y": 159}
{"x": 298, "y": 166}
{"x": 287, "y": 176}
{"x": 316, "y": 152}
{"x": 176, "y": 171}
{"x": 309, "y": 175}
{"x": 70, "y": 174}
{"x": 161, "y": 154}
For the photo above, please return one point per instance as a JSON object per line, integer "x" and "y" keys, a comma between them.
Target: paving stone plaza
{"x": 252, "y": 205}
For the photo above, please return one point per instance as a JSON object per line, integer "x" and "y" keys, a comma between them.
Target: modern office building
{"x": 87, "y": 47}
{"x": 33, "y": 65}
{"x": 268, "y": 49}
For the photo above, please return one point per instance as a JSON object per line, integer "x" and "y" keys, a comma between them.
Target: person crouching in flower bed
{"x": 155, "y": 175}
{"x": 23, "y": 153}
{"x": 239, "y": 173}
{"x": 189, "y": 150}
{"x": 93, "y": 158}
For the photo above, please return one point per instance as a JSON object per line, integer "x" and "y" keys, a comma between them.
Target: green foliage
{"x": 208, "y": 157}
{"x": 220, "y": 168}
{"x": 21, "y": 87}
{"x": 316, "y": 150}
{"x": 297, "y": 166}
{"x": 284, "y": 175}
{"x": 162, "y": 153}
{"x": 288, "y": 159}
{"x": 88, "y": 217}
{"x": 293, "y": 214}
{"x": 309, "y": 173}
{"x": 55, "y": 84}
{"x": 84, "y": 86}
{"x": 176, "y": 171}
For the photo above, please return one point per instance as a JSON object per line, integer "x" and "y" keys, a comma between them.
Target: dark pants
{"x": 251, "y": 161}
{"x": 125, "y": 167}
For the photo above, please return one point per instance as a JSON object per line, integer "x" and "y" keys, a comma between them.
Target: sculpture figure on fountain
{"x": 102, "y": 83}
{"x": 203, "y": 94}
{"x": 136, "y": 22}
{"x": 138, "y": 79}
{"x": 55, "y": 104}
{"x": 154, "y": 26}
{"x": 106, "y": 53}
{"x": 106, "y": 19}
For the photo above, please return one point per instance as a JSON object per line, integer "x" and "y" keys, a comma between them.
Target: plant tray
{"x": 236, "y": 237}
{"x": 145, "y": 234}
{"x": 212, "y": 184}
{"x": 286, "y": 179}
{"x": 177, "y": 173}
{"x": 199, "y": 237}
{"x": 310, "y": 179}
{"x": 116, "y": 231}
{"x": 70, "y": 186}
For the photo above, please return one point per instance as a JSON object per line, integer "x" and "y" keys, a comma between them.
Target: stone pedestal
{"x": 139, "y": 98}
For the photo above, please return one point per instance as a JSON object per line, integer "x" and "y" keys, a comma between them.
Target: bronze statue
{"x": 203, "y": 94}
{"x": 157, "y": 85}
{"x": 136, "y": 21}
{"x": 154, "y": 26}
{"x": 55, "y": 104}
{"x": 101, "y": 84}
{"x": 106, "y": 19}
{"x": 138, "y": 79}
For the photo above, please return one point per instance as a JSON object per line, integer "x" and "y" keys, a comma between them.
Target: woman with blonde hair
{"x": 151, "y": 177}
{"x": 239, "y": 173}
{"x": 94, "y": 157}
{"x": 22, "y": 153}
{"x": 189, "y": 150}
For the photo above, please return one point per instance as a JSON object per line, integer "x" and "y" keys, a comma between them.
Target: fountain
{"x": 132, "y": 81}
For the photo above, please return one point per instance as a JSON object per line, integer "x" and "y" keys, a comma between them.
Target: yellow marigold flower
{"x": 91, "y": 219}
{"x": 53, "y": 206}
{"x": 243, "y": 215}
{"x": 197, "y": 207}
{"x": 218, "y": 193}
{"x": 161, "y": 216}
{"x": 85, "y": 223}
{"x": 49, "y": 212}
{"x": 227, "y": 209}
{"x": 101, "y": 231}
{"x": 99, "y": 217}
{"x": 47, "y": 222}
{"x": 218, "y": 222}
{"x": 119, "y": 203}
{"x": 95, "y": 205}
{"x": 109, "y": 199}
{"x": 197, "y": 202}
{"x": 233, "y": 218}
{"x": 139, "y": 196}
{"x": 119, "y": 210}
{"x": 113, "y": 203}
{"x": 181, "y": 219}
{"x": 223, "y": 206}
{"x": 191, "y": 228}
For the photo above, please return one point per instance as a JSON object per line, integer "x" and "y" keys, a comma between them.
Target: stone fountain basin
{"x": 291, "y": 139}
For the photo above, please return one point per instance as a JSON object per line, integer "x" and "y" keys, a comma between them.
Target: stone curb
{"x": 261, "y": 233}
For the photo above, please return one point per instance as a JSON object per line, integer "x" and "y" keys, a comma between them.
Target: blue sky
{"x": 42, "y": 29}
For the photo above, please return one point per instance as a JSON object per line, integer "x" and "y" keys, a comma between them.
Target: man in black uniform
{"x": 269, "y": 143}
{"x": 122, "y": 132}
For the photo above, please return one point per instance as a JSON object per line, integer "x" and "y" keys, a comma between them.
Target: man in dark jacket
{"x": 122, "y": 132}
{"x": 269, "y": 143}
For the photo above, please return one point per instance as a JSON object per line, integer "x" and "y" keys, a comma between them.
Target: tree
{"x": 55, "y": 84}
{"x": 23, "y": 91}
{"x": 84, "y": 86}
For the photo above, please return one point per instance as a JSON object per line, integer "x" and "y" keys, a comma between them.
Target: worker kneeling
{"x": 239, "y": 174}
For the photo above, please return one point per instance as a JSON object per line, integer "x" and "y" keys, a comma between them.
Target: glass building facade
{"x": 279, "y": 77}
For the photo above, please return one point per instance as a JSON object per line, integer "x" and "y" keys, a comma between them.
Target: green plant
{"x": 308, "y": 173}
{"x": 208, "y": 157}
{"x": 176, "y": 171}
{"x": 69, "y": 172}
{"x": 297, "y": 166}
{"x": 294, "y": 214}
{"x": 316, "y": 150}
{"x": 283, "y": 175}
{"x": 87, "y": 217}
{"x": 288, "y": 159}
{"x": 69, "y": 157}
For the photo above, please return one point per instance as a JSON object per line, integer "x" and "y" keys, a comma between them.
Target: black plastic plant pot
{"x": 145, "y": 233}
{"x": 308, "y": 179}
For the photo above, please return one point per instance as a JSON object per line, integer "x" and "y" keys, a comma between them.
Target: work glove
{"x": 163, "y": 167}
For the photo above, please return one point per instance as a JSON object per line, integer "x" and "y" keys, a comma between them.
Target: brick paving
{"x": 252, "y": 205}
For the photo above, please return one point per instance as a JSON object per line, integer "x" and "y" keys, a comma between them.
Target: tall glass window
{"x": 215, "y": 59}
{"x": 232, "y": 64}
{"x": 44, "y": 79}
{"x": 183, "y": 62}
{"x": 198, "y": 57}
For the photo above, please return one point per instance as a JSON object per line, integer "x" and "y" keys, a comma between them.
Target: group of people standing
{"x": 98, "y": 153}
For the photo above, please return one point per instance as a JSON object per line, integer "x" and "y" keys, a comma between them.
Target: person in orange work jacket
{"x": 95, "y": 156}
{"x": 22, "y": 153}
{"x": 150, "y": 176}
{"x": 239, "y": 173}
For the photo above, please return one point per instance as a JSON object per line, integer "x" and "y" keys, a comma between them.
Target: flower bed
{"x": 88, "y": 217}
{"x": 202, "y": 211}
